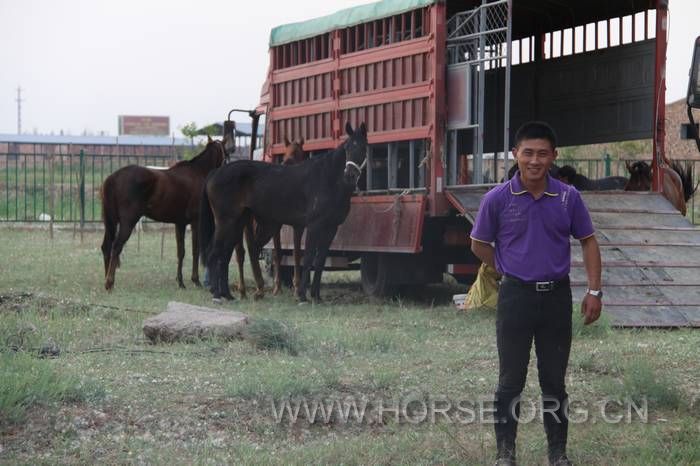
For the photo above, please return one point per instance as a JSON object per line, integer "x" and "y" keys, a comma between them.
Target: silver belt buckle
{"x": 544, "y": 286}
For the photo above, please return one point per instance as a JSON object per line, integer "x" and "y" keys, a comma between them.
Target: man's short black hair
{"x": 536, "y": 130}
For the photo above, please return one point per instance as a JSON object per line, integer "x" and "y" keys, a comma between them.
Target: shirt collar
{"x": 517, "y": 188}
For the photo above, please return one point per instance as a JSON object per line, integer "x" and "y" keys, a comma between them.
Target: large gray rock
{"x": 185, "y": 322}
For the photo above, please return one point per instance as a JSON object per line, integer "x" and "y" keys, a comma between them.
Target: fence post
{"x": 82, "y": 193}
{"x": 608, "y": 160}
{"x": 52, "y": 194}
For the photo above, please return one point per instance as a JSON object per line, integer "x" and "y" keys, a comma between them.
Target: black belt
{"x": 538, "y": 286}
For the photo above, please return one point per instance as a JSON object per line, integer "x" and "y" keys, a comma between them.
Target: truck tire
{"x": 375, "y": 273}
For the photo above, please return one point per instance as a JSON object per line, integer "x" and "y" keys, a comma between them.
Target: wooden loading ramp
{"x": 650, "y": 253}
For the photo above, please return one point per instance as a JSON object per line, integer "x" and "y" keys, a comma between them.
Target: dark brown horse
{"x": 170, "y": 196}
{"x": 568, "y": 175}
{"x": 293, "y": 155}
{"x": 314, "y": 195}
{"x": 677, "y": 181}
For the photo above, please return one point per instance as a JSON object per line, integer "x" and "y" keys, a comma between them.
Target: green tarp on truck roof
{"x": 342, "y": 19}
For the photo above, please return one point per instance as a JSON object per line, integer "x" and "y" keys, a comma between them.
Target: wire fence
{"x": 62, "y": 188}
{"x": 66, "y": 188}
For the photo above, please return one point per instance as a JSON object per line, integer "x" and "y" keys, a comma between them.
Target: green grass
{"x": 640, "y": 382}
{"x": 28, "y": 382}
{"x": 111, "y": 397}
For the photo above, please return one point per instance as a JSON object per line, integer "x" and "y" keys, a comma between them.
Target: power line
{"x": 19, "y": 109}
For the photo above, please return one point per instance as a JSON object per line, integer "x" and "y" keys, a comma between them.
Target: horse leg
{"x": 276, "y": 252}
{"x": 195, "y": 253}
{"x": 309, "y": 254}
{"x": 263, "y": 233}
{"x": 123, "y": 234}
{"x": 240, "y": 259}
{"x": 223, "y": 271}
{"x": 110, "y": 231}
{"x": 180, "y": 238}
{"x": 298, "y": 232}
{"x": 324, "y": 243}
{"x": 218, "y": 260}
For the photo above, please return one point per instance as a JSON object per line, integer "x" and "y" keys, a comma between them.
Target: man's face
{"x": 534, "y": 157}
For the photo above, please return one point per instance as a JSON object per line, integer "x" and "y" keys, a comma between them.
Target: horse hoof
{"x": 216, "y": 300}
{"x": 197, "y": 283}
{"x": 258, "y": 296}
{"x": 181, "y": 285}
{"x": 302, "y": 303}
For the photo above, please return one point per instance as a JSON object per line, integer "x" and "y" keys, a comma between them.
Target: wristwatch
{"x": 596, "y": 293}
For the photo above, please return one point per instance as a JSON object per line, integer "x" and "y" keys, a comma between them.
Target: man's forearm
{"x": 485, "y": 252}
{"x": 591, "y": 261}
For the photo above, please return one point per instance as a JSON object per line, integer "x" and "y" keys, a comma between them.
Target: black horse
{"x": 568, "y": 175}
{"x": 314, "y": 195}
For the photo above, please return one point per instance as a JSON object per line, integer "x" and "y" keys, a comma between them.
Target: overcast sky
{"x": 81, "y": 63}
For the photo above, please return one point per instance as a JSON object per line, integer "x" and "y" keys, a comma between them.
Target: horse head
{"x": 293, "y": 151}
{"x": 355, "y": 151}
{"x": 214, "y": 152}
{"x": 640, "y": 176}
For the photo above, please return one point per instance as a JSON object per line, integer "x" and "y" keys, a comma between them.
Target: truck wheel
{"x": 375, "y": 273}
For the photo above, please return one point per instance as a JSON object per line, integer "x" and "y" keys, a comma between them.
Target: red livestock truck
{"x": 442, "y": 85}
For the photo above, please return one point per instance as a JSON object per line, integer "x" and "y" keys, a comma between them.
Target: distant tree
{"x": 210, "y": 130}
{"x": 189, "y": 130}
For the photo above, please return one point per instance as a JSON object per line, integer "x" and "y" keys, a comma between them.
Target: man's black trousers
{"x": 525, "y": 314}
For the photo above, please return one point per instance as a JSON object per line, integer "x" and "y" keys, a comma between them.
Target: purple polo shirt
{"x": 532, "y": 236}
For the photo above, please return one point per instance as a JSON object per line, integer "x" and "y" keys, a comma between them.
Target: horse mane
{"x": 686, "y": 174}
{"x": 197, "y": 159}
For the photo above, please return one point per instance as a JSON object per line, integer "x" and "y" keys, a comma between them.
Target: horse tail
{"x": 206, "y": 224}
{"x": 110, "y": 216}
{"x": 686, "y": 174}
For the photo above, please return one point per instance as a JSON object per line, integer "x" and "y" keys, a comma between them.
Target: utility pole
{"x": 19, "y": 110}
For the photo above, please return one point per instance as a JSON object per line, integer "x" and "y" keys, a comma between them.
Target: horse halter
{"x": 227, "y": 157}
{"x": 355, "y": 166}
{"x": 350, "y": 163}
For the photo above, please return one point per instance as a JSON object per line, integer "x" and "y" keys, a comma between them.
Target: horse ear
{"x": 628, "y": 165}
{"x": 363, "y": 129}
{"x": 209, "y": 139}
{"x": 286, "y": 141}
{"x": 301, "y": 141}
{"x": 348, "y": 128}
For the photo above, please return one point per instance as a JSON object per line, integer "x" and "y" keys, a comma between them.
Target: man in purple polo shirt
{"x": 523, "y": 229}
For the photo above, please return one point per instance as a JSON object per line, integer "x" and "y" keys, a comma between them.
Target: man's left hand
{"x": 590, "y": 308}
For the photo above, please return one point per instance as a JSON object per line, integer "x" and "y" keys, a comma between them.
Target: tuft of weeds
{"x": 272, "y": 335}
{"x": 640, "y": 382}
{"x": 27, "y": 381}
